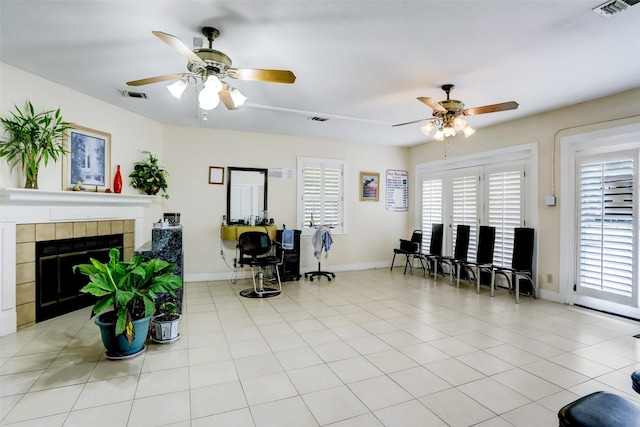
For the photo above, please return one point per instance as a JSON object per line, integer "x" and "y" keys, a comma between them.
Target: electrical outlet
{"x": 549, "y": 278}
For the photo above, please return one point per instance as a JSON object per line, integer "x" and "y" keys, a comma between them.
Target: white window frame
{"x": 619, "y": 135}
{"x": 306, "y": 230}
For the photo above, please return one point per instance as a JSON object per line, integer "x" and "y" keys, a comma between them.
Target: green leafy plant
{"x": 167, "y": 311}
{"x": 32, "y": 139}
{"x": 149, "y": 177}
{"x": 130, "y": 287}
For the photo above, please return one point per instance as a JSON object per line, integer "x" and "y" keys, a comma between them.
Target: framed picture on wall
{"x": 216, "y": 175}
{"x": 369, "y": 186}
{"x": 88, "y": 160}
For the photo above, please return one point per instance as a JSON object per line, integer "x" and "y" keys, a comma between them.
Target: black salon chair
{"x": 483, "y": 264}
{"x": 255, "y": 251}
{"x": 411, "y": 249}
{"x": 460, "y": 253}
{"x": 521, "y": 263}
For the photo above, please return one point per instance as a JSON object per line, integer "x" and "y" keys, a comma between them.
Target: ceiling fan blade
{"x": 177, "y": 45}
{"x": 157, "y": 79}
{"x": 274, "y": 76}
{"x": 511, "y": 105}
{"x": 408, "y": 123}
{"x": 225, "y": 97}
{"x": 433, "y": 104}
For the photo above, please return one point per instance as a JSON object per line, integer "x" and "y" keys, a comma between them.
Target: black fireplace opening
{"x": 57, "y": 286}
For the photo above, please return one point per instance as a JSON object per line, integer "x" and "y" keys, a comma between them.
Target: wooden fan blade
{"x": 274, "y": 76}
{"x": 511, "y": 105}
{"x": 409, "y": 123}
{"x": 157, "y": 79}
{"x": 177, "y": 45}
{"x": 225, "y": 97}
{"x": 433, "y": 104}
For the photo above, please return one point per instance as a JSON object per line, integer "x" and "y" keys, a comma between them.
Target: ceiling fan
{"x": 446, "y": 115}
{"x": 210, "y": 66}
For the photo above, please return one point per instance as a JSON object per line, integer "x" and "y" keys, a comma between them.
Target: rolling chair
{"x": 521, "y": 263}
{"x": 255, "y": 252}
{"x": 411, "y": 249}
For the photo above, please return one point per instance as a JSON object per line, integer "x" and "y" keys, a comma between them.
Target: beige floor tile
{"x": 379, "y": 392}
{"x": 160, "y": 410}
{"x": 114, "y": 415}
{"x": 409, "y": 414}
{"x": 285, "y": 412}
{"x": 44, "y": 403}
{"x": 335, "y": 404}
{"x": 217, "y": 399}
{"x": 456, "y": 408}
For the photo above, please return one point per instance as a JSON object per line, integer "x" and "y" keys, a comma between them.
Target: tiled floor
{"x": 370, "y": 348}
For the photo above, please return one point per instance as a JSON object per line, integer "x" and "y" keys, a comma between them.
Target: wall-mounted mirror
{"x": 246, "y": 193}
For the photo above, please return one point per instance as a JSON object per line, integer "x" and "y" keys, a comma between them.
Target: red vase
{"x": 117, "y": 182}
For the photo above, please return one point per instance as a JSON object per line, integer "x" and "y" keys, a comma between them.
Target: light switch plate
{"x": 550, "y": 200}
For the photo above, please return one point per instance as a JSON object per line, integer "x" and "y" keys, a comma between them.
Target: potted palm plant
{"x": 127, "y": 293}
{"x": 149, "y": 177}
{"x": 32, "y": 139}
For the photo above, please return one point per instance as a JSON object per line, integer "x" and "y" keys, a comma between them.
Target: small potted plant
{"x": 127, "y": 293}
{"x": 149, "y": 177}
{"x": 164, "y": 325}
{"x": 33, "y": 139}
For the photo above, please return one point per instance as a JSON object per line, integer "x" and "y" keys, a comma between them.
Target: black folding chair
{"x": 411, "y": 249}
{"x": 435, "y": 249}
{"x": 521, "y": 262}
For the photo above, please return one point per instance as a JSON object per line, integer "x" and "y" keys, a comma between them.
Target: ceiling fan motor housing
{"x": 452, "y": 106}
{"x": 217, "y": 62}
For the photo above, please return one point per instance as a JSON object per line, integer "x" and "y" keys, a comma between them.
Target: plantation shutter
{"x": 464, "y": 208}
{"x": 431, "y": 208}
{"x": 505, "y": 210}
{"x": 606, "y": 229}
{"x": 322, "y": 195}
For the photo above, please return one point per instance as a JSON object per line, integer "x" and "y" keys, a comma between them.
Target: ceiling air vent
{"x": 611, "y": 8}
{"x": 129, "y": 94}
{"x": 318, "y": 119}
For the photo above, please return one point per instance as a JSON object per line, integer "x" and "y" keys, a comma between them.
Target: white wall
{"x": 373, "y": 232}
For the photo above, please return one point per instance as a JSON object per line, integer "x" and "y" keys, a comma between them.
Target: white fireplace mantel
{"x": 26, "y": 206}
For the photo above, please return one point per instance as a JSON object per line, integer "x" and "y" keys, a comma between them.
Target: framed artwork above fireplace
{"x": 88, "y": 160}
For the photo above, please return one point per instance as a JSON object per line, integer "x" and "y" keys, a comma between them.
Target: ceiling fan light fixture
{"x": 177, "y": 88}
{"x": 439, "y": 135}
{"x": 459, "y": 123}
{"x": 426, "y": 129}
{"x": 468, "y": 131}
{"x": 449, "y": 130}
{"x": 237, "y": 97}
{"x": 208, "y": 97}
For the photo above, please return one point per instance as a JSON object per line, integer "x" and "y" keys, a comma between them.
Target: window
{"x": 465, "y": 204}
{"x": 321, "y": 194}
{"x": 431, "y": 208}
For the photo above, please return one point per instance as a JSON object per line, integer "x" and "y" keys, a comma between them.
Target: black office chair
{"x": 255, "y": 251}
{"x": 411, "y": 249}
{"x": 435, "y": 249}
{"x": 484, "y": 258}
{"x": 460, "y": 253}
{"x": 521, "y": 262}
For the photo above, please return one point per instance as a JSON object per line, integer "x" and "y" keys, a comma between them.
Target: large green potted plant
{"x": 149, "y": 177}
{"x": 128, "y": 291}
{"x": 32, "y": 139}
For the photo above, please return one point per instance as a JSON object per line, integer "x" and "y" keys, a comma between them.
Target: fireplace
{"x": 57, "y": 286}
{"x": 28, "y": 217}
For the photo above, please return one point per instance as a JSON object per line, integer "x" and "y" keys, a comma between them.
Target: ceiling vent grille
{"x": 129, "y": 94}
{"x": 318, "y": 119}
{"x": 611, "y": 8}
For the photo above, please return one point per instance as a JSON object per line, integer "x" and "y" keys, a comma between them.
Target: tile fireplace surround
{"x": 30, "y": 215}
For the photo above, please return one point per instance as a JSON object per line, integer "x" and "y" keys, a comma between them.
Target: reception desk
{"x": 232, "y": 232}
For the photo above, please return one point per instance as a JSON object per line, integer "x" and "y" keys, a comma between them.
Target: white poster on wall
{"x": 397, "y": 194}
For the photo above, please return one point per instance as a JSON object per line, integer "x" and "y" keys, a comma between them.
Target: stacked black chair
{"x": 460, "y": 253}
{"x": 484, "y": 258}
{"x": 521, "y": 263}
{"x": 255, "y": 252}
{"x": 411, "y": 249}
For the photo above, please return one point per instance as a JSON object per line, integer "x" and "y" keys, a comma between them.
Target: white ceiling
{"x": 361, "y": 64}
